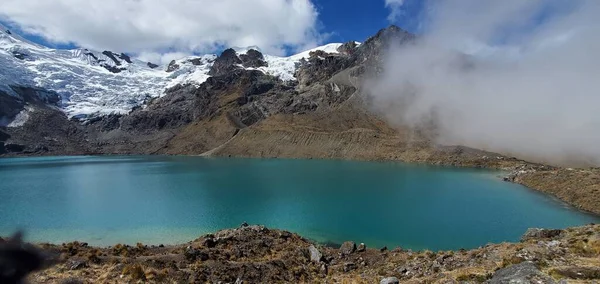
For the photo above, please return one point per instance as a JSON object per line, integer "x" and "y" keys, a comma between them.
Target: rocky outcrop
{"x": 537, "y": 233}
{"x": 371, "y": 51}
{"x": 253, "y": 59}
{"x": 151, "y": 65}
{"x": 172, "y": 66}
{"x": 525, "y": 272}
{"x": 255, "y": 254}
{"x": 348, "y": 48}
{"x": 227, "y": 62}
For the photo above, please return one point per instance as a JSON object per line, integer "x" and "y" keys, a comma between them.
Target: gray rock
{"x": 172, "y": 66}
{"x": 324, "y": 269}
{"x": 522, "y": 273}
{"x": 348, "y": 248}
{"x": 77, "y": 264}
{"x": 315, "y": 254}
{"x": 389, "y": 280}
{"x": 536, "y": 233}
{"x": 349, "y": 266}
{"x": 362, "y": 247}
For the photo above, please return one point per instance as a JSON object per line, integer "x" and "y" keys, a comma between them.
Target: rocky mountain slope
{"x": 255, "y": 254}
{"x": 240, "y": 103}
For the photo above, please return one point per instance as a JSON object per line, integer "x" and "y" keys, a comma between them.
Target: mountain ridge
{"x": 253, "y": 111}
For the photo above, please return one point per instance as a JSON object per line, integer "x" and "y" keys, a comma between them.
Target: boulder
{"x": 362, "y": 247}
{"x": 536, "y": 233}
{"x": 389, "y": 280}
{"x": 347, "y": 248}
{"x": 77, "y": 264}
{"x": 522, "y": 273}
{"x": 315, "y": 255}
{"x": 152, "y": 65}
{"x": 349, "y": 266}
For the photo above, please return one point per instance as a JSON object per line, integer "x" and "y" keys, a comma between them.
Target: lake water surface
{"x": 109, "y": 200}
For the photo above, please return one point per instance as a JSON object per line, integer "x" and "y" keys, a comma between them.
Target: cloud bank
{"x": 168, "y": 26}
{"x": 516, "y": 77}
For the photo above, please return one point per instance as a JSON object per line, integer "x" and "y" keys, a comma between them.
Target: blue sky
{"x": 341, "y": 20}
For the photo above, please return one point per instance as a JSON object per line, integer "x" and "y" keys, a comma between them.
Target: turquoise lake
{"x": 156, "y": 199}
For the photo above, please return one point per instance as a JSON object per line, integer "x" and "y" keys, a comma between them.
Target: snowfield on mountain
{"x": 92, "y": 83}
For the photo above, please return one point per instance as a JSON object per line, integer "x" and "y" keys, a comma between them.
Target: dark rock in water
{"x": 525, "y": 272}
{"x": 362, "y": 247}
{"x": 172, "y": 66}
{"x": 77, "y": 264}
{"x": 14, "y": 148}
{"x": 389, "y": 280}
{"x": 347, "y": 248}
{"x": 349, "y": 266}
{"x": 244, "y": 225}
{"x": 225, "y": 63}
{"x": 253, "y": 58}
{"x": 383, "y": 249}
{"x": 125, "y": 57}
{"x": 536, "y": 233}
{"x": 152, "y": 65}
{"x": 315, "y": 255}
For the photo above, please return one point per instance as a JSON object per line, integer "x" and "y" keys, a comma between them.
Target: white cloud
{"x": 395, "y": 7}
{"x": 161, "y": 58}
{"x": 157, "y": 25}
{"x": 530, "y": 89}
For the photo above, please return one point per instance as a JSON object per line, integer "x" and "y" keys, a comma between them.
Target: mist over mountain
{"x": 487, "y": 79}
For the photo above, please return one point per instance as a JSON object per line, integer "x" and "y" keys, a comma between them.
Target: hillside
{"x": 241, "y": 103}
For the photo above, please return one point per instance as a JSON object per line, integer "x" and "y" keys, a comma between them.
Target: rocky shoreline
{"x": 255, "y": 254}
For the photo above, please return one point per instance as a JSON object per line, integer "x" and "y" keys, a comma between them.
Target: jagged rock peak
{"x": 348, "y": 48}
{"x": 226, "y": 62}
{"x": 253, "y": 58}
{"x": 373, "y": 46}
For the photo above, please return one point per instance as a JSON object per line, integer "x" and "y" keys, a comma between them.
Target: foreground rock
{"x": 255, "y": 254}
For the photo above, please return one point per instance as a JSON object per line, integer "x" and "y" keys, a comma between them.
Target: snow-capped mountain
{"x": 97, "y": 83}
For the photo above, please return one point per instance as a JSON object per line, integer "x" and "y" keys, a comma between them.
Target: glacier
{"x": 92, "y": 83}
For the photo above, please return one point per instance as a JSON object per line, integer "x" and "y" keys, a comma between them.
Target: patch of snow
{"x": 87, "y": 88}
{"x": 285, "y": 67}
{"x": 20, "y": 118}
